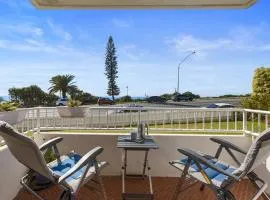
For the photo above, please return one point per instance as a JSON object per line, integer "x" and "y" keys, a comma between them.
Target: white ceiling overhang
{"x": 143, "y": 3}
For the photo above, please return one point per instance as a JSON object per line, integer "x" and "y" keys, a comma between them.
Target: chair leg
{"x": 67, "y": 195}
{"x": 225, "y": 195}
{"x": 24, "y": 184}
{"x": 253, "y": 177}
{"x": 100, "y": 180}
{"x": 202, "y": 187}
{"x": 178, "y": 188}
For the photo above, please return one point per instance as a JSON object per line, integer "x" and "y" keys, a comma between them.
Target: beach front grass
{"x": 214, "y": 128}
{"x": 127, "y": 131}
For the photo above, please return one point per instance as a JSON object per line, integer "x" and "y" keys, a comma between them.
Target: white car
{"x": 62, "y": 102}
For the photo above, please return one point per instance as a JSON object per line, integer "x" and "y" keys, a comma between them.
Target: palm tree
{"x": 63, "y": 84}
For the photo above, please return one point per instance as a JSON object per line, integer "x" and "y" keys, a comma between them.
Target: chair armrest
{"x": 228, "y": 144}
{"x": 50, "y": 143}
{"x": 86, "y": 159}
{"x": 200, "y": 159}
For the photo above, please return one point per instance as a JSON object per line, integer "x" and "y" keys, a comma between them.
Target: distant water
{"x": 6, "y": 98}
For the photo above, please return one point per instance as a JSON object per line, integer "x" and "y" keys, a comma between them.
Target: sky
{"x": 230, "y": 44}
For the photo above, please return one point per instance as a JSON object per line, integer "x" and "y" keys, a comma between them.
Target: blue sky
{"x": 38, "y": 44}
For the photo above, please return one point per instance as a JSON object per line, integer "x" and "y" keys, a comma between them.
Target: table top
{"x": 126, "y": 143}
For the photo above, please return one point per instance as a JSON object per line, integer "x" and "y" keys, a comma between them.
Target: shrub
{"x": 8, "y": 106}
{"x": 125, "y": 99}
{"x": 74, "y": 103}
{"x": 260, "y": 97}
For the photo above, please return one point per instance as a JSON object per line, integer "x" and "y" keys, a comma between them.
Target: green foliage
{"x": 64, "y": 84}
{"x": 74, "y": 103}
{"x": 124, "y": 99}
{"x": 50, "y": 99}
{"x": 261, "y": 82}
{"x": 31, "y": 96}
{"x": 49, "y": 156}
{"x": 8, "y": 106}
{"x": 166, "y": 96}
{"x": 260, "y": 98}
{"x": 260, "y": 102}
{"x": 87, "y": 98}
{"x": 84, "y": 97}
{"x": 111, "y": 69}
{"x": 190, "y": 94}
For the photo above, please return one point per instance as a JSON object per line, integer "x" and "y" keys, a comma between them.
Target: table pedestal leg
{"x": 124, "y": 168}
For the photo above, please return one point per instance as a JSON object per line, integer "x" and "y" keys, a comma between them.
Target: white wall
{"x": 10, "y": 172}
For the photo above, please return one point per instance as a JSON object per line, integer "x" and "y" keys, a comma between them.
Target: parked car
{"x": 156, "y": 99}
{"x": 181, "y": 97}
{"x": 131, "y": 108}
{"x": 62, "y": 102}
{"x": 104, "y": 101}
{"x": 220, "y": 105}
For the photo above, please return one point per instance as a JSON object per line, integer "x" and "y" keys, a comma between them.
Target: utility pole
{"x": 184, "y": 59}
{"x": 127, "y": 90}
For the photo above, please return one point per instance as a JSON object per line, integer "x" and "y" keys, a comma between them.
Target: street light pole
{"x": 127, "y": 90}
{"x": 184, "y": 59}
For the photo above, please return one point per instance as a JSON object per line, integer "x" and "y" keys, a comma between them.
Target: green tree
{"x": 125, "y": 99}
{"x": 166, "y": 96}
{"x": 111, "y": 69}
{"x": 190, "y": 94}
{"x": 28, "y": 96}
{"x": 260, "y": 97}
{"x": 63, "y": 84}
{"x": 14, "y": 93}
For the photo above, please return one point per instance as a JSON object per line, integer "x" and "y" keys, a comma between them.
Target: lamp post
{"x": 127, "y": 90}
{"x": 184, "y": 59}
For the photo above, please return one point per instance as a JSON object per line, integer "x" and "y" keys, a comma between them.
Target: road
{"x": 203, "y": 102}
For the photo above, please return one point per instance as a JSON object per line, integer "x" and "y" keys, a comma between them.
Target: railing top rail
{"x": 258, "y": 111}
{"x": 164, "y": 108}
{"x": 151, "y": 108}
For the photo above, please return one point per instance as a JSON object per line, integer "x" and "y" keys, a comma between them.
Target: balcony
{"x": 170, "y": 127}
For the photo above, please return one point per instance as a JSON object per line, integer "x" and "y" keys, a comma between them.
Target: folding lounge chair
{"x": 71, "y": 171}
{"x": 220, "y": 176}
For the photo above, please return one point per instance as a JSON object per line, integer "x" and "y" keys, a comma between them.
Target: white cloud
{"x": 59, "y": 31}
{"x": 38, "y": 46}
{"x": 247, "y": 39}
{"x": 23, "y": 28}
{"x": 186, "y": 43}
{"x": 122, "y": 23}
{"x": 132, "y": 52}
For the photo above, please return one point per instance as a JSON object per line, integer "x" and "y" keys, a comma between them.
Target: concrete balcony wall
{"x": 10, "y": 172}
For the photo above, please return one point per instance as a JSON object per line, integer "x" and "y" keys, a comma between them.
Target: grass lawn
{"x": 215, "y": 126}
{"x": 126, "y": 131}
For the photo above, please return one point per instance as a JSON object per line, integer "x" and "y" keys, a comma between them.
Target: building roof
{"x": 49, "y": 4}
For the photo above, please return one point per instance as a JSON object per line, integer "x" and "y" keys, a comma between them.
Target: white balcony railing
{"x": 159, "y": 119}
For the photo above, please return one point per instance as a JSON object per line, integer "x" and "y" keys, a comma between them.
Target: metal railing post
{"x": 244, "y": 122}
{"x": 38, "y": 119}
{"x": 139, "y": 117}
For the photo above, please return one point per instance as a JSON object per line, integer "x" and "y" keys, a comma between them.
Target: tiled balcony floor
{"x": 163, "y": 189}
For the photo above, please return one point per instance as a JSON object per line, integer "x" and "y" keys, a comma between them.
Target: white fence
{"x": 229, "y": 120}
